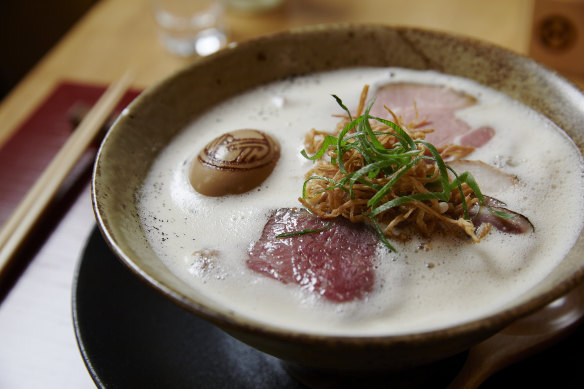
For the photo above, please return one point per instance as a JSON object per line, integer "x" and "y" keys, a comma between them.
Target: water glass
{"x": 190, "y": 27}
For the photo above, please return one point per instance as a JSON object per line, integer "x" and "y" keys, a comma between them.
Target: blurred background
{"x": 29, "y": 30}
{"x": 555, "y": 37}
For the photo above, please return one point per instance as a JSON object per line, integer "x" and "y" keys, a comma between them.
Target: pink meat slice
{"x": 336, "y": 263}
{"x": 477, "y": 137}
{"x": 435, "y": 105}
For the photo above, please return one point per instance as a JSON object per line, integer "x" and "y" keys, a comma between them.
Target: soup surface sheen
{"x": 204, "y": 240}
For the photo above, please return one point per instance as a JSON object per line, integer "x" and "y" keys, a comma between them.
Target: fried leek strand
{"x": 383, "y": 172}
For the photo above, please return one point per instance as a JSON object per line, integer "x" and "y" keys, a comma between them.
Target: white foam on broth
{"x": 415, "y": 289}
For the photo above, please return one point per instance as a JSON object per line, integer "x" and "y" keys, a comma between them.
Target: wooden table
{"x": 37, "y": 343}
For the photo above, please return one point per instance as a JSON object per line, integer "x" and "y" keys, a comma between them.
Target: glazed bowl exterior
{"x": 150, "y": 122}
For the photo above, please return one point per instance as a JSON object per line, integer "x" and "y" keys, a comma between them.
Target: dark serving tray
{"x": 132, "y": 337}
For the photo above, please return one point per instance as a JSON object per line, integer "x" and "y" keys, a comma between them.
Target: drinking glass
{"x": 190, "y": 27}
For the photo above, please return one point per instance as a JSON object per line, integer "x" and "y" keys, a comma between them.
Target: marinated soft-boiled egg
{"x": 234, "y": 162}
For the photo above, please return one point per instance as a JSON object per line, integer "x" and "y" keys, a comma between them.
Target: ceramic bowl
{"x": 164, "y": 109}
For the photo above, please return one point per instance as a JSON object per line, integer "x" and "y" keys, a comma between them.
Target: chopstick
{"x": 20, "y": 223}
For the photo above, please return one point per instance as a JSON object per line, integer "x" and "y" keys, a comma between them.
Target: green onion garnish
{"x": 390, "y": 163}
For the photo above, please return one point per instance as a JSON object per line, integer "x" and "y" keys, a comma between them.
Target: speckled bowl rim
{"x": 491, "y": 323}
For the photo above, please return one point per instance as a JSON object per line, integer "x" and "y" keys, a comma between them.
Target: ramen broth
{"x": 428, "y": 283}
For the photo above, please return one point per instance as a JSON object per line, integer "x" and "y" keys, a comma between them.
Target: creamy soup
{"x": 427, "y": 284}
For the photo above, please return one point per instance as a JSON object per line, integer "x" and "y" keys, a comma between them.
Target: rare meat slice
{"x": 434, "y": 107}
{"x": 336, "y": 263}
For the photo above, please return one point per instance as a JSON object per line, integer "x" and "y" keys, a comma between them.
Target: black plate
{"x": 132, "y": 337}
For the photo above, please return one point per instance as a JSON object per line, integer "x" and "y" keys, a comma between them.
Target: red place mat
{"x": 25, "y": 155}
